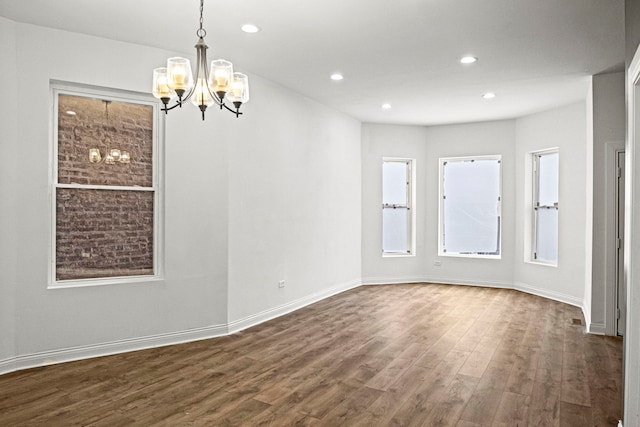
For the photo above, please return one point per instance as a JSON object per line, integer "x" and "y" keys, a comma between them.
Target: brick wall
{"x": 103, "y": 233}
{"x": 128, "y": 127}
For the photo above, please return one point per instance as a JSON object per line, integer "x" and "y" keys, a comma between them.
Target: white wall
{"x": 193, "y": 294}
{"x": 427, "y": 145}
{"x": 608, "y": 128}
{"x": 380, "y": 141}
{"x": 564, "y": 128}
{"x": 294, "y": 206}
{"x": 9, "y": 185}
{"x": 205, "y": 162}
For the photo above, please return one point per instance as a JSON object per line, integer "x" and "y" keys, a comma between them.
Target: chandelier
{"x": 212, "y": 86}
{"x": 112, "y": 155}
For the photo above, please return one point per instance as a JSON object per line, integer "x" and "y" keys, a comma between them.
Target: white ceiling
{"x": 534, "y": 54}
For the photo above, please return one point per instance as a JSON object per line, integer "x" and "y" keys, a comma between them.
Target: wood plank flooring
{"x": 394, "y": 355}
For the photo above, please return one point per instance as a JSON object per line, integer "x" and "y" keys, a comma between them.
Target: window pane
{"x": 547, "y": 235}
{"x": 395, "y": 230}
{"x": 471, "y": 206}
{"x": 103, "y": 233}
{"x": 90, "y": 123}
{"x": 394, "y": 183}
{"x": 548, "y": 179}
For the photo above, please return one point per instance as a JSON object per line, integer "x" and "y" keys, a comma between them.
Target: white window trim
{"x": 530, "y": 255}
{"x": 441, "y": 252}
{"x": 411, "y": 206}
{"x": 66, "y": 88}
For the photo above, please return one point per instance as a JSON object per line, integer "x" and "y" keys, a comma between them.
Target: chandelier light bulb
{"x": 201, "y": 95}
{"x": 161, "y": 84}
{"x": 221, "y": 76}
{"x": 239, "y": 93}
{"x": 179, "y": 75}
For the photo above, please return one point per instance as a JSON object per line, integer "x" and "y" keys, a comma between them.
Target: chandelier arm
{"x": 236, "y": 112}
{"x": 167, "y": 108}
{"x": 201, "y": 48}
{"x": 216, "y": 98}
{"x": 186, "y": 98}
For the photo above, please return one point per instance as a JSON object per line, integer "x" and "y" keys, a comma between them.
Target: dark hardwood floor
{"x": 396, "y": 355}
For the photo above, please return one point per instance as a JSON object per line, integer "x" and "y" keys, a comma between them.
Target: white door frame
{"x": 619, "y": 271}
{"x": 611, "y": 233}
{"x": 632, "y": 248}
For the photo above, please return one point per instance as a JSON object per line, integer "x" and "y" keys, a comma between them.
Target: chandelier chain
{"x": 201, "y": 31}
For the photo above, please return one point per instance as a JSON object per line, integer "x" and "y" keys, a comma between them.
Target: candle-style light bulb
{"x": 221, "y": 77}
{"x": 239, "y": 93}
{"x": 179, "y": 76}
{"x": 161, "y": 89}
{"x": 201, "y": 97}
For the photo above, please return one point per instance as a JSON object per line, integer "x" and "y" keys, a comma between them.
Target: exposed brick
{"x": 104, "y": 233}
{"x": 129, "y": 127}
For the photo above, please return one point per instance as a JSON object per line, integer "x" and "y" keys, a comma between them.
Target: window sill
{"x": 397, "y": 255}
{"x": 83, "y": 283}
{"x": 454, "y": 255}
{"x": 546, "y": 264}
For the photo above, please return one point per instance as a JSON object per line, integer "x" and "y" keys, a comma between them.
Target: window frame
{"x": 441, "y": 196}
{"x": 535, "y": 192}
{"x": 65, "y": 88}
{"x": 410, "y": 206}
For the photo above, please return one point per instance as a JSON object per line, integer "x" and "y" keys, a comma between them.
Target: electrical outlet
{"x": 281, "y": 284}
{"x": 437, "y": 263}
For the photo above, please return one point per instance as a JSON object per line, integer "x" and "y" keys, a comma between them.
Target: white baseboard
{"x": 8, "y": 365}
{"x": 272, "y": 313}
{"x": 519, "y": 286}
{"x": 556, "y": 296}
{"x": 431, "y": 279}
{"x": 105, "y": 349}
{"x": 391, "y": 280}
{"x": 141, "y": 343}
{"x": 501, "y": 284}
{"x": 597, "y": 329}
{"x": 123, "y": 346}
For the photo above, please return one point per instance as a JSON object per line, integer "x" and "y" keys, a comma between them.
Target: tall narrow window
{"x": 545, "y": 206}
{"x": 104, "y": 186}
{"x": 397, "y": 212}
{"x": 470, "y": 206}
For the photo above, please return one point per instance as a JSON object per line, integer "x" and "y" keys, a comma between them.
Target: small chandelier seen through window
{"x": 210, "y": 86}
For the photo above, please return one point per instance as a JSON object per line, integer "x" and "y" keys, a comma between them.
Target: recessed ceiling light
{"x": 250, "y": 28}
{"x": 489, "y": 95}
{"x": 71, "y": 113}
{"x": 386, "y": 106}
{"x": 336, "y": 76}
{"x": 468, "y": 59}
